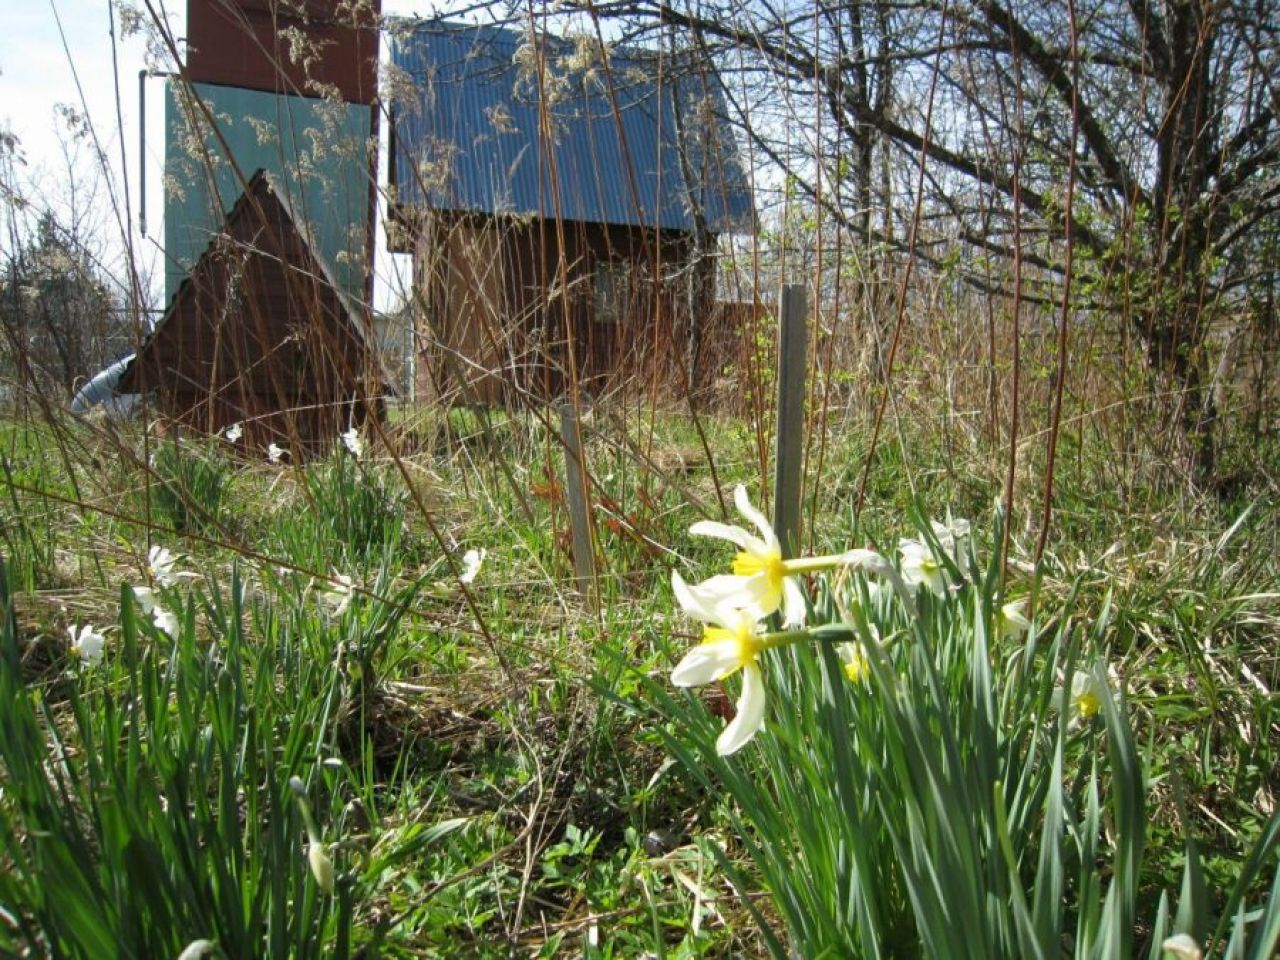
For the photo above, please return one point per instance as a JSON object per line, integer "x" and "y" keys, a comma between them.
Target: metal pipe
{"x": 142, "y": 152}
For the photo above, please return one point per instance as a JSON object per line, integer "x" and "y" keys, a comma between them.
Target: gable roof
{"x": 262, "y": 225}
{"x": 474, "y": 140}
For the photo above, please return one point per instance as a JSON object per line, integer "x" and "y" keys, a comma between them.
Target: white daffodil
{"x": 760, "y": 582}
{"x": 472, "y": 560}
{"x": 87, "y": 644}
{"x": 951, "y": 533}
{"x": 234, "y": 433}
{"x": 166, "y": 622}
{"x": 275, "y": 453}
{"x": 145, "y": 598}
{"x": 352, "y": 440}
{"x": 731, "y": 642}
{"x": 160, "y": 566}
{"x": 338, "y": 594}
{"x": 1011, "y": 621}
{"x": 920, "y": 566}
{"x": 1085, "y": 700}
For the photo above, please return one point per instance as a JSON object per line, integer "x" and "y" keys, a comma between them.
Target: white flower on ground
{"x": 160, "y": 566}
{"x": 275, "y": 453}
{"x": 145, "y": 597}
{"x": 166, "y": 622}
{"x": 472, "y": 560}
{"x": 338, "y": 594}
{"x": 759, "y": 583}
{"x": 731, "y": 642}
{"x": 920, "y": 566}
{"x": 1085, "y": 700}
{"x": 951, "y": 533}
{"x": 352, "y": 441}
{"x": 1011, "y": 621}
{"x": 234, "y": 433}
{"x": 87, "y": 644}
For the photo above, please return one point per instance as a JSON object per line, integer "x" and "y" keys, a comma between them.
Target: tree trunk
{"x": 1177, "y": 320}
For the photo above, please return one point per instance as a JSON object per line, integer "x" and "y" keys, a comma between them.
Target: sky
{"x": 55, "y": 52}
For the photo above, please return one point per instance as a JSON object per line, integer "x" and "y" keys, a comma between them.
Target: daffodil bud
{"x": 1182, "y": 947}
{"x": 321, "y": 866}
{"x": 197, "y": 949}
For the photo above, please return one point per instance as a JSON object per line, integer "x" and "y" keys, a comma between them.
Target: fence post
{"x": 789, "y": 448}
{"x": 584, "y": 557}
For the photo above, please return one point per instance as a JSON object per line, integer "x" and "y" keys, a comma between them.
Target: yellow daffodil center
{"x": 856, "y": 668}
{"x": 771, "y": 565}
{"x": 748, "y": 643}
{"x": 1087, "y": 703}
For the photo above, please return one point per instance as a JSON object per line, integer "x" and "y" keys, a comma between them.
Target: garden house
{"x": 562, "y": 203}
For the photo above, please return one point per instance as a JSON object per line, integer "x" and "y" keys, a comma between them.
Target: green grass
{"x": 506, "y": 768}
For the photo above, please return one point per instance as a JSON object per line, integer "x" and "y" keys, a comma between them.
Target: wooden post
{"x": 584, "y": 557}
{"x": 789, "y": 450}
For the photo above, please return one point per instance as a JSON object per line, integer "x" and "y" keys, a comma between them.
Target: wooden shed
{"x": 563, "y": 204}
{"x": 260, "y": 334}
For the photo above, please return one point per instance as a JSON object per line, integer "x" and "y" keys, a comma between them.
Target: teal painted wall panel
{"x": 318, "y": 152}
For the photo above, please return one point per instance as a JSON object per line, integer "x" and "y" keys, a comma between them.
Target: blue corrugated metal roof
{"x": 473, "y": 141}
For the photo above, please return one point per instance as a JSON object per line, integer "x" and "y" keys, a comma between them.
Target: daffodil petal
{"x": 706, "y": 663}
{"x": 750, "y": 717}
{"x": 696, "y": 603}
{"x": 758, "y": 519}
{"x": 321, "y": 866}
{"x": 1057, "y": 699}
{"x": 722, "y": 531}
{"x": 145, "y": 598}
{"x": 728, "y": 591}
{"x": 794, "y": 607}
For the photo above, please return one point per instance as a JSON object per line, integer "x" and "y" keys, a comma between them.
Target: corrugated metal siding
{"x": 242, "y": 43}
{"x": 475, "y": 142}
{"x": 316, "y": 150}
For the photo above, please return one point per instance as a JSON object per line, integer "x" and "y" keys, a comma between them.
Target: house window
{"x": 612, "y": 290}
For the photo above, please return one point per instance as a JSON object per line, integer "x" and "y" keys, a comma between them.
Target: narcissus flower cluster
{"x": 762, "y": 603}
{"x": 734, "y": 608}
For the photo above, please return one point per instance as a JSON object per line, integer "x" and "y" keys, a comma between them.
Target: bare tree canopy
{"x": 1142, "y": 134}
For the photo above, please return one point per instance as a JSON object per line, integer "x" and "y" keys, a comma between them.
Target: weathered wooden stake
{"x": 789, "y": 453}
{"x": 584, "y": 557}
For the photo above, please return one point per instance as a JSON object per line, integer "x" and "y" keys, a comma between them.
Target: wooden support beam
{"x": 793, "y": 346}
